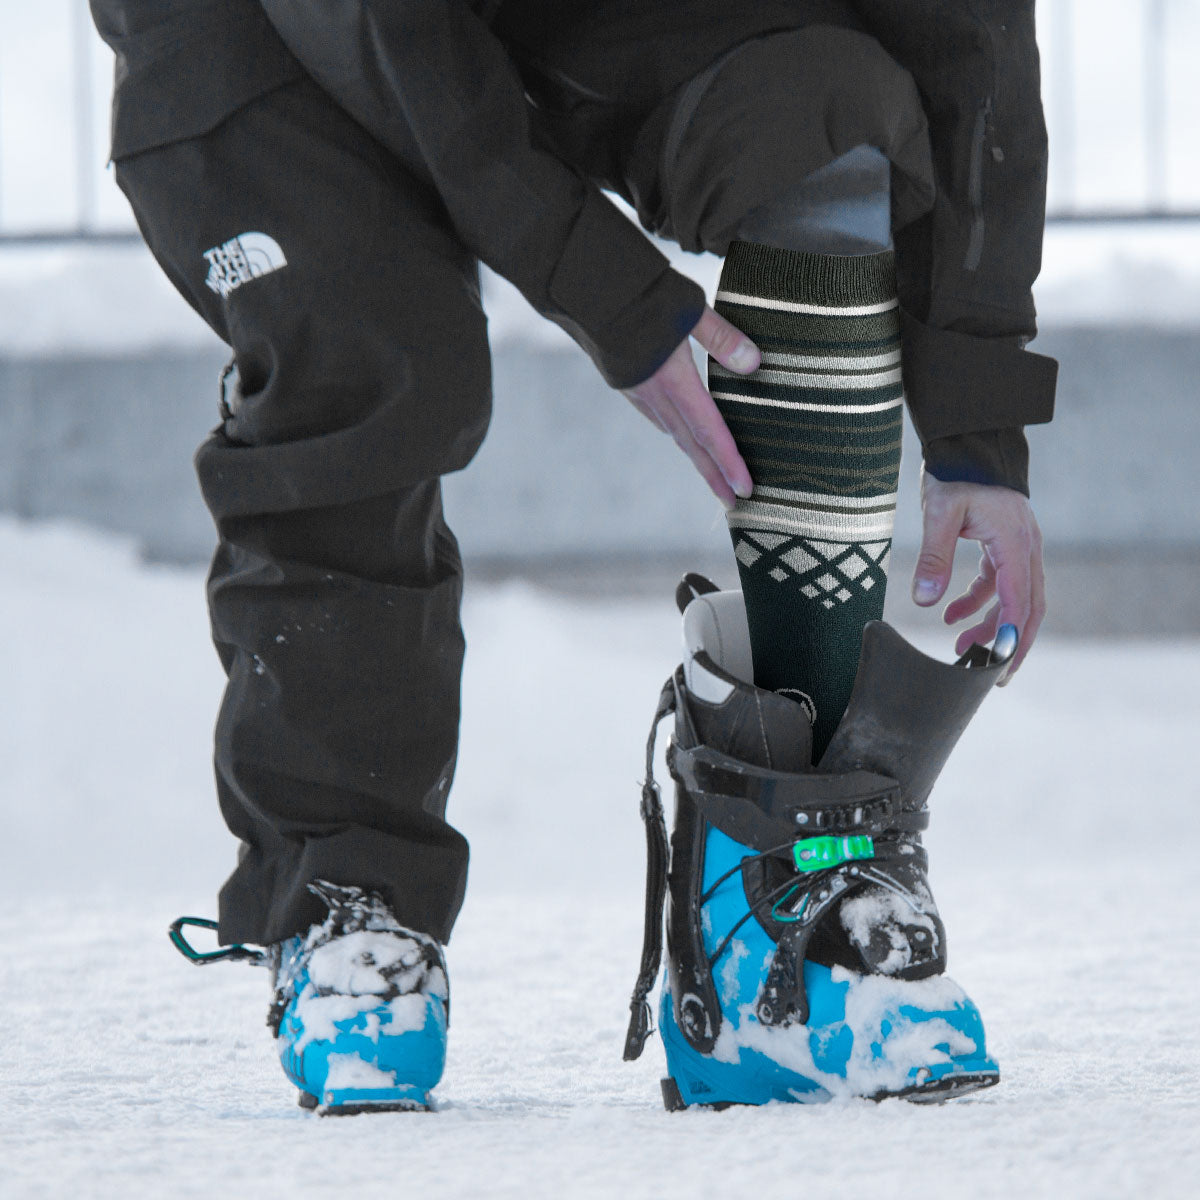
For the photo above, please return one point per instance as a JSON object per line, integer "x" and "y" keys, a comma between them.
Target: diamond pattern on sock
{"x": 746, "y": 554}
{"x": 853, "y": 566}
{"x": 831, "y": 572}
{"x": 800, "y": 560}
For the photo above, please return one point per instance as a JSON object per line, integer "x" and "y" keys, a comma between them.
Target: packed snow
{"x": 349, "y": 1071}
{"x": 348, "y": 975}
{"x": 1062, "y": 856}
{"x": 889, "y": 1041}
{"x": 879, "y": 915}
{"x": 369, "y": 963}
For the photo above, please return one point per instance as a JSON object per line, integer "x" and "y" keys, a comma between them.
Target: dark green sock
{"x": 819, "y": 425}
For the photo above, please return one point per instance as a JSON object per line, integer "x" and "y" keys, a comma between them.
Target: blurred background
{"x": 108, "y": 380}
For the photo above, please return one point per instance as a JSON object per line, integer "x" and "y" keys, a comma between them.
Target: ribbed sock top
{"x": 800, "y": 278}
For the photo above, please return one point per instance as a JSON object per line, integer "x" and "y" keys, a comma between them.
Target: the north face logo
{"x": 240, "y": 260}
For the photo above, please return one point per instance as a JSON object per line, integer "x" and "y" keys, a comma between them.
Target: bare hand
{"x": 1010, "y": 568}
{"x": 676, "y": 400}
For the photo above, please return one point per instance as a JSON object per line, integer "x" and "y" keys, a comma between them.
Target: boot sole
{"x": 948, "y": 1087}
{"x": 936, "y": 1091}
{"x": 350, "y": 1103}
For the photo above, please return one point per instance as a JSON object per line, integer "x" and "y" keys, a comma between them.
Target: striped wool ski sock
{"x": 819, "y": 426}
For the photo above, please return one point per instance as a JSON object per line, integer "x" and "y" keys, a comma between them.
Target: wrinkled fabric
{"x": 516, "y": 112}
{"x": 383, "y": 150}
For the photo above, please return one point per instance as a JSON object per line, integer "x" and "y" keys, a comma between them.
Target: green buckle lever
{"x": 232, "y": 953}
{"x": 821, "y": 853}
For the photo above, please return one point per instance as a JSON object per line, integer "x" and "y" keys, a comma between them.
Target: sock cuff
{"x": 799, "y": 277}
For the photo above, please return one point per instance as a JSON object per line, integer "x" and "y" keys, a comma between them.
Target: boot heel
{"x": 673, "y": 1100}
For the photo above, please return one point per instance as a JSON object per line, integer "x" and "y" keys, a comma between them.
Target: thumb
{"x": 943, "y": 521}
{"x": 726, "y": 343}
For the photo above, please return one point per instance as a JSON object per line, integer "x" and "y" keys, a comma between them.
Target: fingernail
{"x": 925, "y": 591}
{"x": 744, "y": 358}
{"x": 727, "y": 505}
{"x": 743, "y": 491}
{"x": 1005, "y": 645}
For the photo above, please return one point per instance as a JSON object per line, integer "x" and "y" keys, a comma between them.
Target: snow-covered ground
{"x": 1063, "y": 854}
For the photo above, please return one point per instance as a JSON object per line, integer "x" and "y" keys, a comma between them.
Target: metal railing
{"x": 1144, "y": 82}
{"x": 73, "y": 132}
{"x": 1159, "y": 177}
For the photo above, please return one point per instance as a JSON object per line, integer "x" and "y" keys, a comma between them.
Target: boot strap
{"x": 761, "y": 808}
{"x": 640, "y": 1024}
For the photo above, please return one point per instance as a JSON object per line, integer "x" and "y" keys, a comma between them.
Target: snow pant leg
{"x": 759, "y": 144}
{"x": 360, "y": 375}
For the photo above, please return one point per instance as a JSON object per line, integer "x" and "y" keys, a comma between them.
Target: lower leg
{"x": 819, "y": 425}
{"x": 338, "y": 628}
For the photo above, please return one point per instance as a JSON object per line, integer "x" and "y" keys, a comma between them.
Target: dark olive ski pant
{"x": 360, "y": 375}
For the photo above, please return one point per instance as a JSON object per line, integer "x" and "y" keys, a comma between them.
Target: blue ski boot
{"x": 805, "y": 950}
{"x": 361, "y": 1008}
{"x": 361, "y": 1005}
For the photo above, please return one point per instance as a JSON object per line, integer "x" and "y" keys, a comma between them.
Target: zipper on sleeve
{"x": 974, "y": 253}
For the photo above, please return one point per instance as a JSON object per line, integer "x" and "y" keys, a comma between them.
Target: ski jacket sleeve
{"x": 432, "y": 72}
{"x": 966, "y": 269}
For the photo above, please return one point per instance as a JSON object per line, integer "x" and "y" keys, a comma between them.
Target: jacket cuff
{"x": 958, "y": 384}
{"x": 997, "y": 457}
{"x": 618, "y": 297}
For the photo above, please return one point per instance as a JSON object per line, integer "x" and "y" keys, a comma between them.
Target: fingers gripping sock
{"x": 819, "y": 425}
